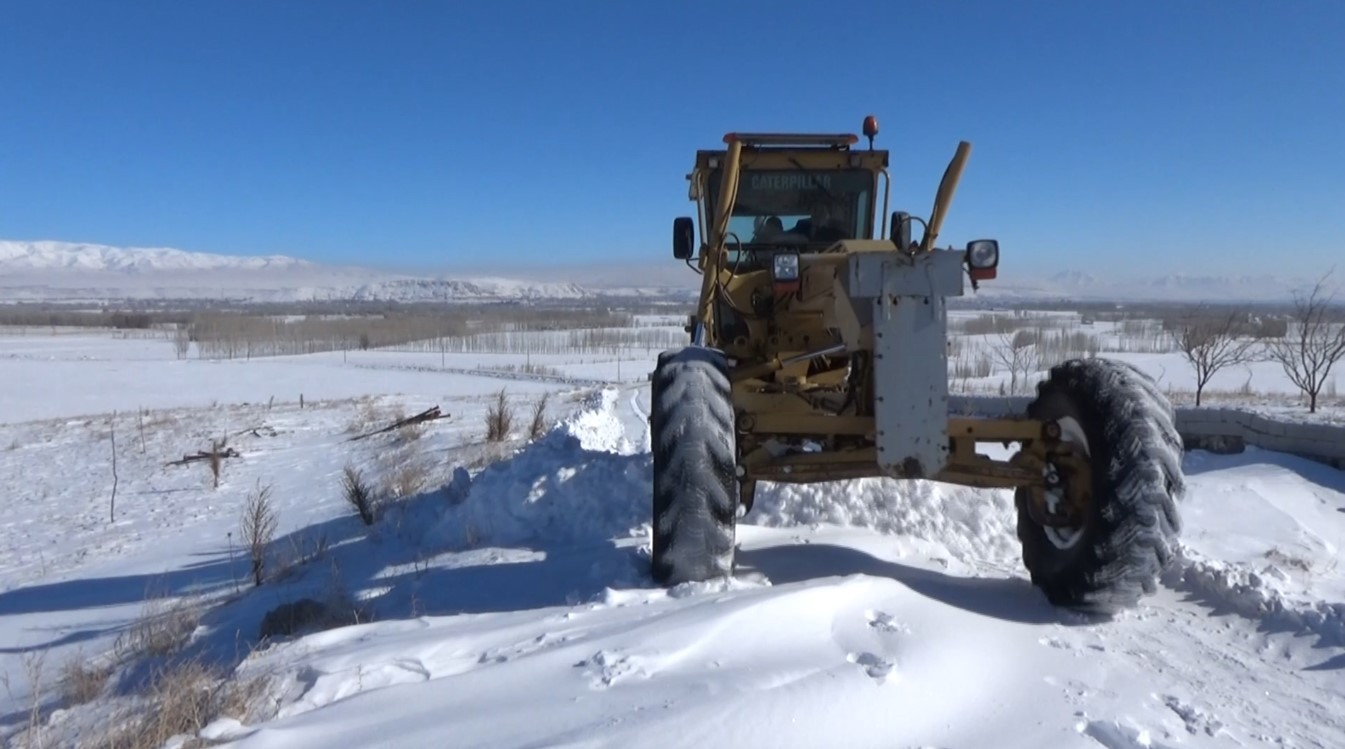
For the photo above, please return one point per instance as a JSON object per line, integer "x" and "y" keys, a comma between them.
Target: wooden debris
{"x": 204, "y": 455}
{"x": 429, "y": 414}
{"x": 264, "y": 430}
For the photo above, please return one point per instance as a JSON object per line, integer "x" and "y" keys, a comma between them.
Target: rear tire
{"x": 695, "y": 496}
{"x": 1130, "y": 529}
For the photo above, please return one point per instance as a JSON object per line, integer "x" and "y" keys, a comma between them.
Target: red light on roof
{"x": 730, "y": 137}
{"x": 870, "y": 126}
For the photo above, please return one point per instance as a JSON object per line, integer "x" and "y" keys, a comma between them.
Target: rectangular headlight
{"x": 785, "y": 267}
{"x": 983, "y": 254}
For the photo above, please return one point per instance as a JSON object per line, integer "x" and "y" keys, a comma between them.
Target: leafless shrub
{"x": 1210, "y": 341}
{"x": 358, "y": 493}
{"x": 1314, "y": 343}
{"x": 181, "y": 341}
{"x": 1019, "y": 354}
{"x": 499, "y": 419}
{"x": 538, "y": 426}
{"x": 259, "y": 528}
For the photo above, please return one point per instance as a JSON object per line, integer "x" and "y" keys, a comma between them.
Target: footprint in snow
{"x": 885, "y": 623}
{"x": 875, "y": 666}
{"x": 510, "y": 652}
{"x": 1112, "y": 734}
{"x": 1197, "y": 721}
{"x": 1054, "y": 642}
{"x": 605, "y": 668}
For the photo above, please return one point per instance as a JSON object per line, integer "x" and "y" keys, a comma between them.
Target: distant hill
{"x": 56, "y": 271}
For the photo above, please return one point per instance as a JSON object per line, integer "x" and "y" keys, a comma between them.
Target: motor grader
{"x": 818, "y": 352}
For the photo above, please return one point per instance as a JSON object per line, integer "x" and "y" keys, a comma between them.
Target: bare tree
{"x": 1314, "y": 343}
{"x": 182, "y": 341}
{"x": 1018, "y": 352}
{"x": 1210, "y": 342}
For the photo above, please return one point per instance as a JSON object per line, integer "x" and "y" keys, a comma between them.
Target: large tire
{"x": 1130, "y": 529}
{"x": 695, "y": 497}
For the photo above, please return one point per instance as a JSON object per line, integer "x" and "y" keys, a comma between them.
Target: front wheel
{"x": 1127, "y": 533}
{"x": 696, "y": 493}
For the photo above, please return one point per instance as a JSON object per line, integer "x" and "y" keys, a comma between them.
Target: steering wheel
{"x": 767, "y": 227}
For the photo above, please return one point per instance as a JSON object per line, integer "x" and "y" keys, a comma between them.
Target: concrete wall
{"x": 1215, "y": 429}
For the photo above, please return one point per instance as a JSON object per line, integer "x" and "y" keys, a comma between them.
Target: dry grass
{"x": 366, "y": 417}
{"x": 82, "y": 680}
{"x": 538, "y": 426}
{"x": 181, "y": 699}
{"x": 408, "y": 478}
{"x": 303, "y": 549}
{"x": 164, "y": 626}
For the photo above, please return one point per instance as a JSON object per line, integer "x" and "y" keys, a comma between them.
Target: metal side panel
{"x": 937, "y": 273}
{"x": 910, "y": 367}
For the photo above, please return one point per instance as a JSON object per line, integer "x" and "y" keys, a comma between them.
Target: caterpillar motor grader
{"x": 818, "y": 352}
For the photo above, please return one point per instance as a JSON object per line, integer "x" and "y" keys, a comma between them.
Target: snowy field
{"x": 500, "y": 598}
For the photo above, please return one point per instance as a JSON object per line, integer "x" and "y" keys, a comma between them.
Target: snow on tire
{"x": 695, "y": 497}
{"x": 1129, "y": 534}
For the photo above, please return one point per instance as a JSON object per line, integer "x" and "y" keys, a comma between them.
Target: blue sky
{"x": 1205, "y": 136}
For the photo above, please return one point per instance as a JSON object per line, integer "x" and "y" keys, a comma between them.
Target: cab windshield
{"x": 796, "y": 206}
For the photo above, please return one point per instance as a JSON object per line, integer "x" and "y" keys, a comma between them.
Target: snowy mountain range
{"x": 1175, "y": 287}
{"x": 65, "y": 271}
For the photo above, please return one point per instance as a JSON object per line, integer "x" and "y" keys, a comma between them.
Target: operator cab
{"x": 795, "y": 192}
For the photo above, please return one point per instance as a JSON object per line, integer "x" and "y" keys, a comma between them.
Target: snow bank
{"x": 1235, "y": 588}
{"x": 582, "y": 482}
{"x": 586, "y": 481}
{"x": 970, "y": 524}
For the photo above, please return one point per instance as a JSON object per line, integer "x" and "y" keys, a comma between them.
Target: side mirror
{"x": 901, "y": 229}
{"x": 983, "y": 258}
{"x": 684, "y": 237}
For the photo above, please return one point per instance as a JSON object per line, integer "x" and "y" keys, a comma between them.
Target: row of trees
{"x": 1313, "y": 342}
{"x": 231, "y": 335}
{"x": 1307, "y": 341}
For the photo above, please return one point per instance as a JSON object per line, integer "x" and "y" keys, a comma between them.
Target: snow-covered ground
{"x": 503, "y": 599}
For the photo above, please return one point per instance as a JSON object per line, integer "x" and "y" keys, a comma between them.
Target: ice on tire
{"x": 695, "y": 487}
{"x": 1133, "y": 522}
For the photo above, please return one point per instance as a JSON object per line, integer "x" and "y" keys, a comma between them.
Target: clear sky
{"x": 1203, "y": 136}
